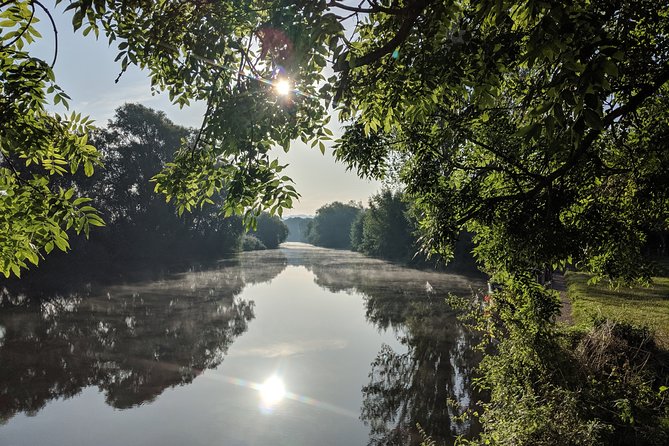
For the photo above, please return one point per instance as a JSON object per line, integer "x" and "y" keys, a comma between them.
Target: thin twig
{"x": 55, "y": 31}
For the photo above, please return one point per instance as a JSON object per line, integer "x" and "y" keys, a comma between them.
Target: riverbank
{"x": 639, "y": 306}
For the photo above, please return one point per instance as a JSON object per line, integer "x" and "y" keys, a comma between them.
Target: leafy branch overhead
{"x": 537, "y": 124}
{"x": 36, "y": 150}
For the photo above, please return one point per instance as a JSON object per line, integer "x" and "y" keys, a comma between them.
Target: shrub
{"x": 251, "y": 243}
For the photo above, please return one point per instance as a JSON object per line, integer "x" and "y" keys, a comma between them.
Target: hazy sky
{"x": 86, "y": 70}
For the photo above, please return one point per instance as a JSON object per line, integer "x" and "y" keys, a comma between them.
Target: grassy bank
{"x": 638, "y": 306}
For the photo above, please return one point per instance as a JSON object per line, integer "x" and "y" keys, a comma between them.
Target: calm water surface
{"x": 296, "y": 346}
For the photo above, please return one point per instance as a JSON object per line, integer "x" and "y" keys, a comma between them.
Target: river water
{"x": 295, "y": 346}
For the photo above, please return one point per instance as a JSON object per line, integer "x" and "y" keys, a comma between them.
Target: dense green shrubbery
{"x": 602, "y": 387}
{"x": 388, "y": 229}
{"x": 385, "y": 229}
{"x": 252, "y": 243}
{"x": 552, "y": 386}
{"x": 270, "y": 230}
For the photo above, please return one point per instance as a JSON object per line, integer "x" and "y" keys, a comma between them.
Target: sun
{"x": 272, "y": 391}
{"x": 283, "y": 87}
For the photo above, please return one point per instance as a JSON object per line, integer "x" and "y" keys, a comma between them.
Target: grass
{"x": 639, "y": 306}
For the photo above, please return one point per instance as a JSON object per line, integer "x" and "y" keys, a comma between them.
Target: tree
{"x": 508, "y": 111}
{"x": 387, "y": 229}
{"x": 510, "y": 115}
{"x": 137, "y": 143}
{"x": 224, "y": 53}
{"x": 270, "y": 230}
{"x": 331, "y": 227}
{"x": 522, "y": 123}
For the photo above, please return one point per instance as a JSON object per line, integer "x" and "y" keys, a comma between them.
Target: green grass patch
{"x": 641, "y": 306}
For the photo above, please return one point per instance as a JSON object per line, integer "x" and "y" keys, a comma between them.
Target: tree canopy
{"x": 140, "y": 226}
{"x": 540, "y": 125}
{"x": 331, "y": 227}
{"x": 36, "y": 145}
{"x": 270, "y": 230}
{"x": 385, "y": 229}
{"x": 548, "y": 116}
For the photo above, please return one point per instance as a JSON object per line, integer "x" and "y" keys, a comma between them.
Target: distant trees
{"x": 385, "y": 229}
{"x": 140, "y": 225}
{"x": 297, "y": 228}
{"x": 270, "y": 230}
{"x": 331, "y": 227}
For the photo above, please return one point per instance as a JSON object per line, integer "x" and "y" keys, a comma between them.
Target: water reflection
{"x": 132, "y": 341}
{"x": 413, "y": 386}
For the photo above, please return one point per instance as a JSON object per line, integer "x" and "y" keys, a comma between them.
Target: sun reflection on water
{"x": 273, "y": 391}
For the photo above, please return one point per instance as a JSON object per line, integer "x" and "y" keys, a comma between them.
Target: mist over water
{"x": 299, "y": 345}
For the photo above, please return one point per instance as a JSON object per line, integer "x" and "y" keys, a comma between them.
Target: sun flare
{"x": 283, "y": 87}
{"x": 272, "y": 391}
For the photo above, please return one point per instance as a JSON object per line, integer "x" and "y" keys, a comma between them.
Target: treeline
{"x": 269, "y": 233}
{"x": 297, "y": 228}
{"x": 140, "y": 226}
{"x": 385, "y": 229}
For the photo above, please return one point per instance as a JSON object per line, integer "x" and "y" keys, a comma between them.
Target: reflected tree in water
{"x": 131, "y": 341}
{"x": 430, "y": 384}
{"x": 415, "y": 386}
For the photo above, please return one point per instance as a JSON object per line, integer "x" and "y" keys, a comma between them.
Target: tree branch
{"x": 25, "y": 28}
{"x": 356, "y": 9}
{"x": 55, "y": 31}
{"x": 412, "y": 14}
{"x": 631, "y": 105}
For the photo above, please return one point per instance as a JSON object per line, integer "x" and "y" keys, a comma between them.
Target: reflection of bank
{"x": 414, "y": 386}
{"x": 131, "y": 341}
{"x": 430, "y": 384}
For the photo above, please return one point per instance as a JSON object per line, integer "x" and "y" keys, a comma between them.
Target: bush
{"x": 270, "y": 230}
{"x": 251, "y": 243}
{"x": 600, "y": 387}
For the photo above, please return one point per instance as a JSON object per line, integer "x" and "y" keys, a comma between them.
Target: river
{"x": 295, "y": 346}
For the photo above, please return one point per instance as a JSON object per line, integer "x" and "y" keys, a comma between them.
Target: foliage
{"x": 555, "y": 386}
{"x": 385, "y": 229}
{"x": 252, "y": 243}
{"x": 227, "y": 53}
{"x": 599, "y": 387}
{"x": 331, "y": 227}
{"x": 35, "y": 147}
{"x": 270, "y": 230}
{"x": 539, "y": 125}
{"x": 136, "y": 145}
{"x": 297, "y": 228}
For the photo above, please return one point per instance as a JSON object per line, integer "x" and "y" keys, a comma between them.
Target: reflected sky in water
{"x": 297, "y": 346}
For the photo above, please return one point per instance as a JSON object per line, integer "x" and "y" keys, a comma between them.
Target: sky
{"x": 86, "y": 70}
